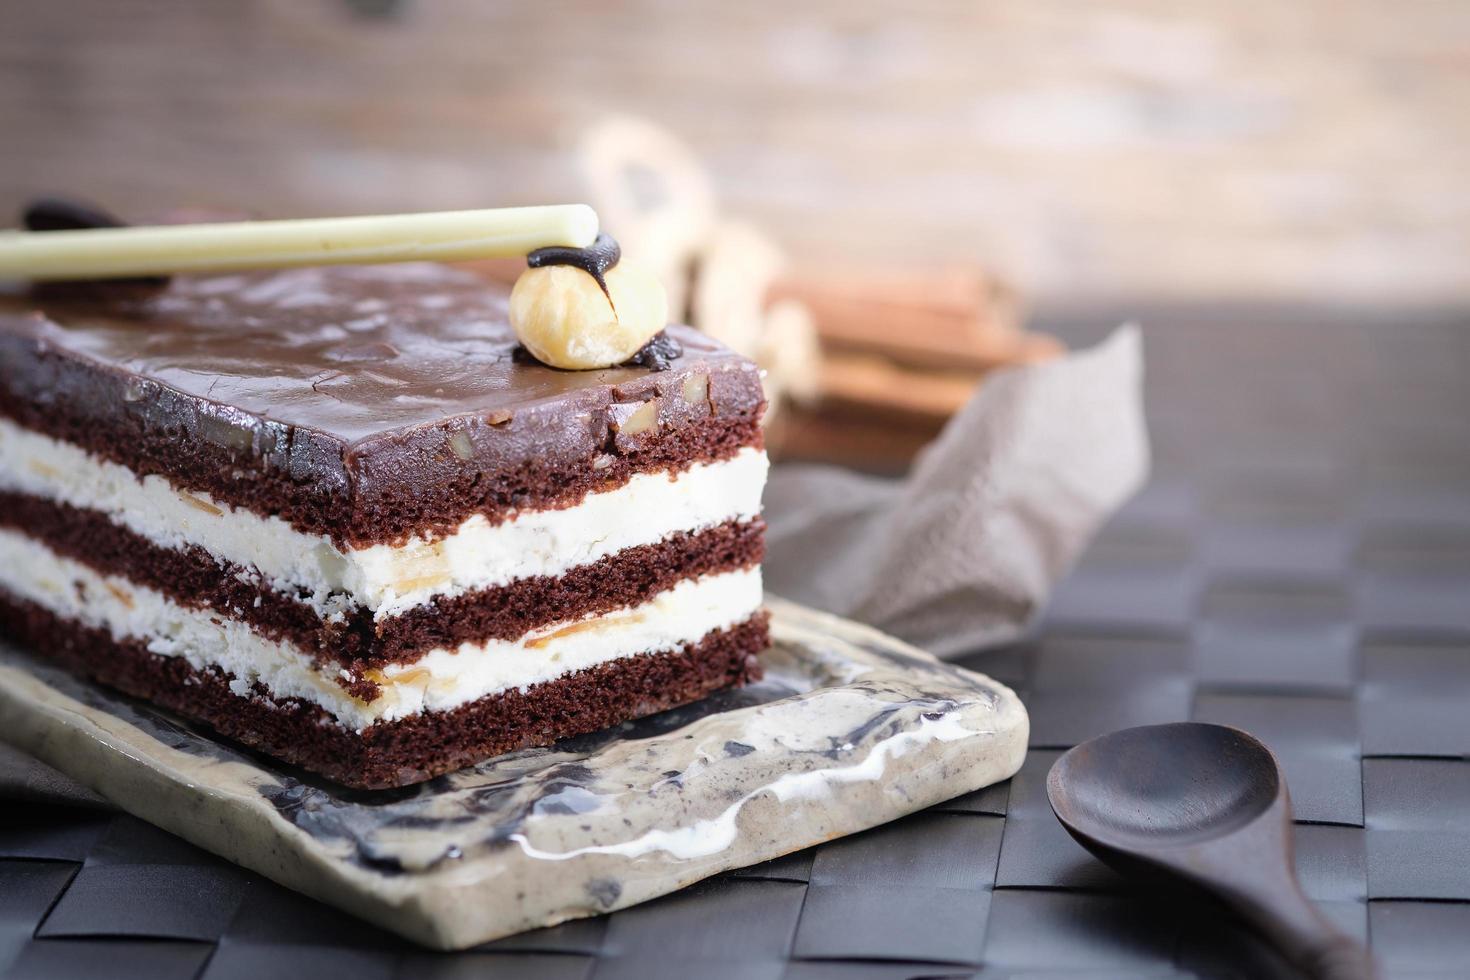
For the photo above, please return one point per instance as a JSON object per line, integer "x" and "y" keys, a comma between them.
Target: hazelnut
{"x": 461, "y": 446}
{"x": 696, "y": 389}
{"x": 633, "y": 419}
{"x": 565, "y": 319}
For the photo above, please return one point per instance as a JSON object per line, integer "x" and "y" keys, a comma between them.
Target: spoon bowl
{"x": 1207, "y": 806}
{"x": 1164, "y": 784}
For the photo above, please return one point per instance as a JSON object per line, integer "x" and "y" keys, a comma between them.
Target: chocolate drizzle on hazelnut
{"x": 594, "y": 260}
{"x": 519, "y": 355}
{"x": 657, "y": 354}
{"x": 64, "y": 214}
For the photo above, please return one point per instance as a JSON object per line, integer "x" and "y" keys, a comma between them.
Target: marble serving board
{"x": 850, "y": 729}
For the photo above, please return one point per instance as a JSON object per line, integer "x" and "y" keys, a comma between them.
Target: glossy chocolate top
{"x": 351, "y": 351}
{"x": 364, "y": 386}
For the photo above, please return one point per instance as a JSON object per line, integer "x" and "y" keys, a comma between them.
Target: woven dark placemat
{"x": 1299, "y": 566}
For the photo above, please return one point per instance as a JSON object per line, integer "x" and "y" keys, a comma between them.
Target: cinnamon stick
{"x": 945, "y": 319}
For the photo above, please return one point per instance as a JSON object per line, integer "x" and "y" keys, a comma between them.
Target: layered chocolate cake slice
{"x": 337, "y": 515}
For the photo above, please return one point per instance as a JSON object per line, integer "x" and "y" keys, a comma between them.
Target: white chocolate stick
{"x": 443, "y": 236}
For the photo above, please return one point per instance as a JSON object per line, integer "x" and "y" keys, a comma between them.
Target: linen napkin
{"x": 963, "y": 552}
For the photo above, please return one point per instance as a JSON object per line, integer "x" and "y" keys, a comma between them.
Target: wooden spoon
{"x": 1206, "y": 805}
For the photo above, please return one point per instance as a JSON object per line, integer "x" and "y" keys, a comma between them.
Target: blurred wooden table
{"x": 1314, "y": 150}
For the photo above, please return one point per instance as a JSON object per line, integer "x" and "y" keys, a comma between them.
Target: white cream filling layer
{"x": 440, "y": 680}
{"x": 388, "y": 579}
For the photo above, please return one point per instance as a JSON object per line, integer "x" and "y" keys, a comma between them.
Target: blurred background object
{"x": 863, "y": 366}
{"x": 889, "y": 175}
{"x": 904, "y": 347}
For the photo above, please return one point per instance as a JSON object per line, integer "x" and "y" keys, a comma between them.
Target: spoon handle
{"x": 1305, "y": 936}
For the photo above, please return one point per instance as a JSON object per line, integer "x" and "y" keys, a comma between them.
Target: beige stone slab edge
{"x": 726, "y": 812}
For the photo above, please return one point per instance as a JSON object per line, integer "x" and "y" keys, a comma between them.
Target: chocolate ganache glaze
{"x": 363, "y": 402}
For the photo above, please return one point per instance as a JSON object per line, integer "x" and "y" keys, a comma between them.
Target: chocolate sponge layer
{"x": 193, "y": 577}
{"x": 414, "y": 749}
